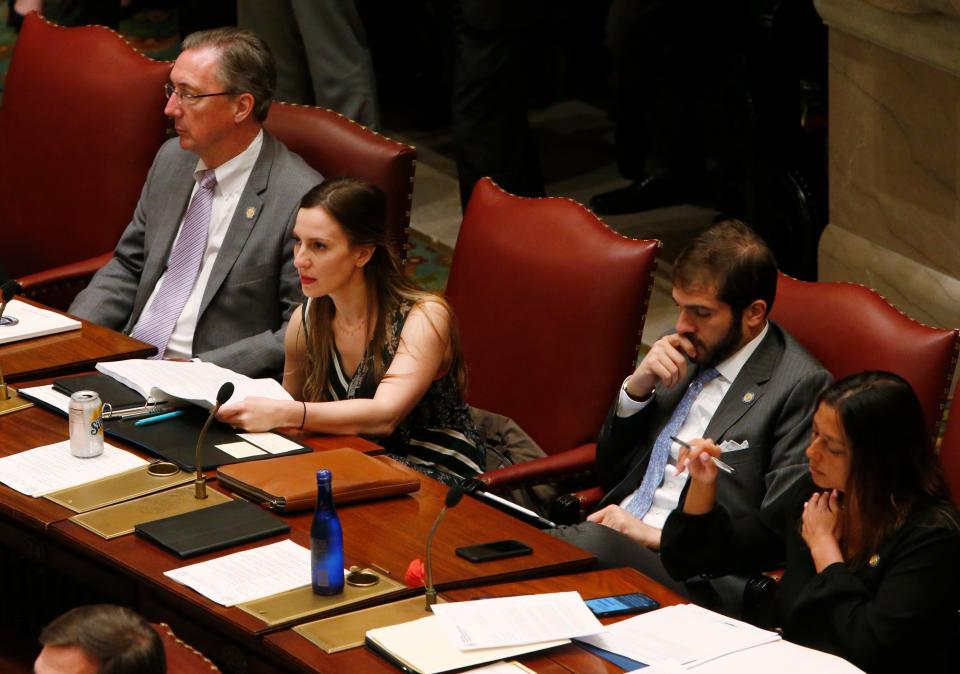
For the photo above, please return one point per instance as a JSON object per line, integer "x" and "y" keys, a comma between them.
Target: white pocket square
{"x": 733, "y": 445}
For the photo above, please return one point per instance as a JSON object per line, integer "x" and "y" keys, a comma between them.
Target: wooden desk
{"x": 67, "y": 352}
{"x": 388, "y": 533}
{"x": 302, "y": 656}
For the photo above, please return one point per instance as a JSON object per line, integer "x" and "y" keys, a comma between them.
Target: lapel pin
{"x": 874, "y": 560}
{"x": 748, "y": 397}
{"x": 251, "y": 211}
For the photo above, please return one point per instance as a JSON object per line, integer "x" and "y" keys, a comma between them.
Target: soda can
{"x": 86, "y": 424}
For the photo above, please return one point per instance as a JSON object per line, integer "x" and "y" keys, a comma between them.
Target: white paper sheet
{"x": 420, "y": 645}
{"x": 48, "y": 395}
{"x": 685, "y": 633}
{"x": 197, "y": 383}
{"x": 240, "y": 450}
{"x": 42, "y": 470}
{"x": 33, "y": 322}
{"x": 512, "y": 621}
{"x": 271, "y": 442}
{"x": 248, "y": 575}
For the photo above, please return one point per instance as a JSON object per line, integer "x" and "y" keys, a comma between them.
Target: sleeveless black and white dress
{"x": 438, "y": 437}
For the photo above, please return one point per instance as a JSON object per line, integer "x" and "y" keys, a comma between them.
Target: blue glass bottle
{"x": 326, "y": 540}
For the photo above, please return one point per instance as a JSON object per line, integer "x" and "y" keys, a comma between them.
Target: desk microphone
{"x": 8, "y": 290}
{"x": 453, "y": 498}
{"x": 200, "y": 483}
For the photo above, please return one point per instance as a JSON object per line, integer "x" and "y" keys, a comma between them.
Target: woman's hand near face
{"x": 821, "y": 528}
{"x": 261, "y": 414}
{"x": 703, "y": 475}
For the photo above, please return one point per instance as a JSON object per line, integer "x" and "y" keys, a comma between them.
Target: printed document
{"x": 33, "y": 322}
{"x": 197, "y": 383}
{"x": 513, "y": 621}
{"x": 686, "y": 634}
{"x": 42, "y": 470}
{"x": 248, "y": 575}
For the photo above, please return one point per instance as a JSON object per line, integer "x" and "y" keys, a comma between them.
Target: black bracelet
{"x": 303, "y": 419}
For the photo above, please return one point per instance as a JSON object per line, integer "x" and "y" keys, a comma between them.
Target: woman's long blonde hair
{"x": 360, "y": 209}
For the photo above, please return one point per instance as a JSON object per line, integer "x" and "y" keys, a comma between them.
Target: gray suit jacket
{"x": 769, "y": 404}
{"x": 253, "y": 287}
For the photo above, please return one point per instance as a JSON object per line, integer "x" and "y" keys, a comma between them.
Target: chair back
{"x": 338, "y": 147}
{"x": 850, "y": 328}
{"x": 550, "y": 304}
{"x": 950, "y": 450}
{"x": 81, "y": 120}
{"x": 181, "y": 657}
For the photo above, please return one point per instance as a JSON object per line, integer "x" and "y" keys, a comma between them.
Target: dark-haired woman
{"x": 369, "y": 353}
{"x": 869, "y": 537}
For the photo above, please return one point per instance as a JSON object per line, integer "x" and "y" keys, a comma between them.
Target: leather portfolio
{"x": 120, "y": 396}
{"x": 289, "y": 484}
{"x": 214, "y": 528}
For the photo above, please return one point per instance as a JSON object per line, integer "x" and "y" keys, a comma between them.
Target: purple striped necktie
{"x": 156, "y": 324}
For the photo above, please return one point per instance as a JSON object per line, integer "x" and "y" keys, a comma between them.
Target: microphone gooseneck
{"x": 200, "y": 482}
{"x": 454, "y": 494}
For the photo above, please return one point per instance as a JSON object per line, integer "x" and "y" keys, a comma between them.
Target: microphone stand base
{"x": 10, "y": 402}
{"x": 348, "y": 630}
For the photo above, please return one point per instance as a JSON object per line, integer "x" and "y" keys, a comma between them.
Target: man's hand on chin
{"x": 618, "y": 519}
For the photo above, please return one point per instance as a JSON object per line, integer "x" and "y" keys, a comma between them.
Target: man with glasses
{"x": 205, "y": 268}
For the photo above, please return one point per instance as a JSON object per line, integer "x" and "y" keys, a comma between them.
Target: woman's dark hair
{"x": 360, "y": 209}
{"x": 893, "y": 466}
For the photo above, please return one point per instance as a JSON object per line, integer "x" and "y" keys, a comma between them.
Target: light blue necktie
{"x": 642, "y": 498}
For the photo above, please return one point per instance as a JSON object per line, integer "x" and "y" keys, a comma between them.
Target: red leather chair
{"x": 950, "y": 450}
{"x": 339, "y": 147}
{"x": 182, "y": 658}
{"x": 850, "y": 328}
{"x": 550, "y": 304}
{"x": 81, "y": 120}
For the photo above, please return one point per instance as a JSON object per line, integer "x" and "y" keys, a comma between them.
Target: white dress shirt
{"x": 231, "y": 179}
{"x": 667, "y": 497}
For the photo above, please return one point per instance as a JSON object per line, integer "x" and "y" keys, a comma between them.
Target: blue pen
{"x": 156, "y": 418}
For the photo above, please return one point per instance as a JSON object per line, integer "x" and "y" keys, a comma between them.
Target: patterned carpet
{"x": 154, "y": 32}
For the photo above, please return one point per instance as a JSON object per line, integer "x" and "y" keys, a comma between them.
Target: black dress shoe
{"x": 640, "y": 195}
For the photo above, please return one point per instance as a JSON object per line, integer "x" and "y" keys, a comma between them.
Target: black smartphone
{"x": 487, "y": 552}
{"x": 621, "y": 604}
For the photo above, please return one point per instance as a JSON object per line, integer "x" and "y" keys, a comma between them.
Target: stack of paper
{"x": 50, "y": 468}
{"x": 33, "y": 322}
{"x": 193, "y": 382}
{"x": 470, "y": 633}
{"x": 248, "y": 575}
{"x": 685, "y": 634}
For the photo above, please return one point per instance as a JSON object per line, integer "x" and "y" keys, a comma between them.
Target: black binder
{"x": 120, "y": 396}
{"x": 221, "y": 526}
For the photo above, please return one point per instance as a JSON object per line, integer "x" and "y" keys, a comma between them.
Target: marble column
{"x": 895, "y": 152}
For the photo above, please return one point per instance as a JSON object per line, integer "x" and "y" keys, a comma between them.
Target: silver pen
{"x": 717, "y": 462}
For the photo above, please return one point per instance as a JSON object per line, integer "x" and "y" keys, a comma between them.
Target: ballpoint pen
{"x": 717, "y": 462}
{"x": 158, "y": 417}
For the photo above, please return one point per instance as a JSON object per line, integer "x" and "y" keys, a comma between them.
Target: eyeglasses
{"x": 191, "y": 99}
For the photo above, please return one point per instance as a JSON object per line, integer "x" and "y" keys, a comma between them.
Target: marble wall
{"x": 894, "y": 158}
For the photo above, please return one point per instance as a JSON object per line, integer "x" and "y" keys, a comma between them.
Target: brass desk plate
{"x": 116, "y": 489}
{"x": 117, "y": 520}
{"x": 10, "y": 401}
{"x": 341, "y": 632}
{"x": 301, "y": 602}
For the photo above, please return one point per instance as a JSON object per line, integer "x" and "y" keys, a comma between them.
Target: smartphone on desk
{"x": 487, "y": 552}
{"x": 621, "y": 604}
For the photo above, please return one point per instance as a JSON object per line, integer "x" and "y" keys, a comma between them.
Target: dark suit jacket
{"x": 253, "y": 287}
{"x": 770, "y": 404}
